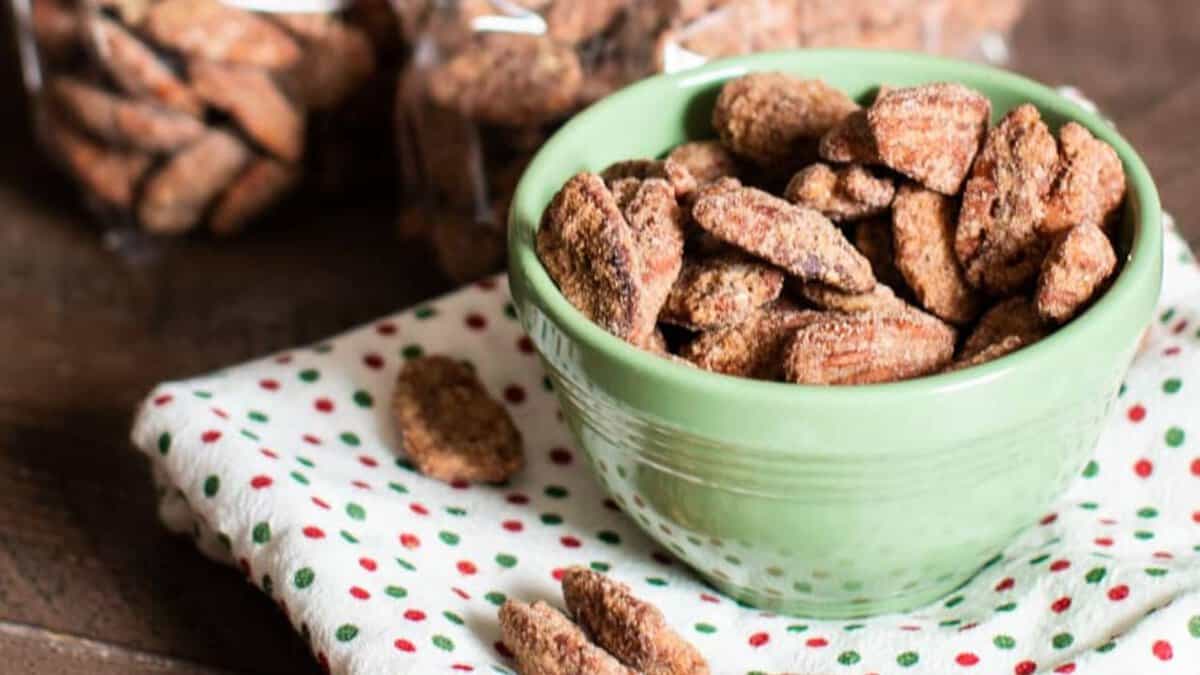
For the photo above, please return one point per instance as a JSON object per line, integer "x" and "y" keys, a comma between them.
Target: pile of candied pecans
{"x": 170, "y": 113}
{"x": 820, "y": 242}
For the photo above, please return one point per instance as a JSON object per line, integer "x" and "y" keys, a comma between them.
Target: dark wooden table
{"x": 89, "y": 582}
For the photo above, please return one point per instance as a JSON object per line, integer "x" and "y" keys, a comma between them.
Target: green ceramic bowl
{"x": 829, "y": 501}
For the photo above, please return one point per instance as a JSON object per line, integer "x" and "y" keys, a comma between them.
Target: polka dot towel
{"x": 285, "y": 467}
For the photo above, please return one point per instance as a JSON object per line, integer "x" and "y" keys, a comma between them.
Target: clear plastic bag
{"x": 174, "y": 116}
{"x": 489, "y": 80}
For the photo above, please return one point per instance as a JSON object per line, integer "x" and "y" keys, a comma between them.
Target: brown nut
{"x": 123, "y": 122}
{"x": 705, "y": 161}
{"x": 1080, "y": 261}
{"x": 251, "y": 97}
{"x": 841, "y": 195}
{"x": 753, "y": 348}
{"x": 544, "y": 642}
{"x": 338, "y": 58}
{"x": 674, "y": 172}
{"x": 216, "y": 31}
{"x": 801, "y": 241}
{"x": 850, "y": 141}
{"x": 730, "y": 27}
{"x": 138, "y": 70}
{"x": 1090, "y": 184}
{"x": 930, "y": 133}
{"x": 879, "y": 299}
{"x": 923, "y": 226}
{"x": 1007, "y": 345}
{"x": 868, "y": 348}
{"x": 1013, "y": 317}
{"x": 109, "y": 174}
{"x": 55, "y": 28}
{"x": 631, "y": 629}
{"x": 452, "y": 430}
{"x": 997, "y": 240}
{"x": 263, "y": 183}
{"x": 719, "y": 291}
{"x": 573, "y": 22}
{"x": 174, "y": 199}
{"x": 657, "y": 224}
{"x": 771, "y": 118}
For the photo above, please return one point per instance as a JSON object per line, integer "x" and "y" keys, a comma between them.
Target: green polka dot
{"x": 506, "y": 560}
{"x": 396, "y": 487}
{"x": 1004, "y": 642}
{"x": 1121, "y": 391}
{"x": 443, "y": 643}
{"x": 304, "y": 461}
{"x": 949, "y": 623}
{"x": 1147, "y": 512}
{"x": 164, "y": 443}
{"x": 310, "y": 375}
{"x": 1095, "y": 575}
{"x": 448, "y": 538}
{"x": 1091, "y": 469}
{"x": 426, "y": 312}
{"x": 405, "y": 464}
{"x": 1172, "y": 385}
{"x": 733, "y": 560}
{"x": 1089, "y": 506}
{"x": 249, "y": 434}
{"x": 954, "y": 602}
{"x": 1167, "y": 315}
{"x": 256, "y": 416}
{"x": 495, "y": 597}
{"x": 412, "y": 351}
{"x": 456, "y": 511}
{"x": 656, "y": 581}
{"x": 453, "y": 618}
{"x": 349, "y": 537}
{"x": 1144, "y": 535}
{"x": 705, "y": 628}
{"x": 1006, "y": 607}
{"x": 211, "y": 485}
{"x": 261, "y": 533}
{"x": 350, "y": 438}
{"x": 802, "y": 587}
{"x": 396, "y": 591}
{"x": 907, "y": 659}
{"x": 797, "y": 628}
{"x": 1106, "y": 647}
{"x": 356, "y": 511}
{"x": 556, "y": 492}
{"x": 346, "y": 632}
{"x": 600, "y": 566}
{"x": 1174, "y": 437}
{"x": 304, "y": 577}
{"x": 363, "y": 399}
{"x": 609, "y": 537}
{"x": 404, "y": 564}
{"x": 1156, "y": 571}
{"x": 849, "y": 658}
{"x": 1194, "y": 626}
{"x": 1062, "y": 640}
{"x": 850, "y": 627}
{"x": 299, "y": 477}
{"x": 1040, "y": 559}
{"x": 551, "y": 519}
{"x": 510, "y": 310}
{"x": 200, "y": 393}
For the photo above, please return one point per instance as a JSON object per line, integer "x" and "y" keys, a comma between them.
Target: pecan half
{"x": 843, "y": 195}
{"x": 719, "y": 291}
{"x": 923, "y": 223}
{"x": 1080, "y": 261}
{"x": 1090, "y": 184}
{"x": 867, "y": 348}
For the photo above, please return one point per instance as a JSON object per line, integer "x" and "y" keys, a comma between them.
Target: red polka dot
{"x": 1196, "y": 516}
{"x": 1196, "y": 467}
{"x": 1162, "y": 650}
{"x": 1179, "y": 327}
{"x": 418, "y": 509}
{"x": 1163, "y": 555}
{"x": 220, "y": 413}
{"x": 373, "y": 361}
{"x": 462, "y": 667}
{"x": 1060, "y": 605}
{"x": 368, "y": 461}
{"x": 283, "y": 359}
{"x": 323, "y": 405}
{"x": 710, "y": 598}
{"x": 460, "y": 484}
{"x": 558, "y": 573}
{"x": 1025, "y": 668}
{"x": 1171, "y": 351}
{"x": 260, "y": 482}
{"x": 414, "y": 615}
{"x": 512, "y": 525}
{"x": 409, "y": 541}
{"x": 244, "y": 565}
{"x": 560, "y": 456}
{"x": 1118, "y": 593}
{"x": 368, "y": 564}
{"x": 1049, "y": 518}
{"x": 517, "y": 498}
{"x": 966, "y": 659}
{"x": 163, "y": 400}
{"x": 267, "y": 452}
{"x": 386, "y": 328}
{"x": 1143, "y": 467}
{"x": 210, "y": 436}
{"x": 476, "y": 321}
{"x": 321, "y": 503}
{"x": 1059, "y": 565}
{"x": 570, "y": 542}
{"x": 404, "y": 645}
{"x": 460, "y": 593}
{"x": 311, "y": 440}
{"x": 1065, "y": 669}
{"x": 514, "y": 394}
{"x": 269, "y": 385}
{"x": 1137, "y": 413}
{"x": 970, "y": 626}
{"x": 759, "y": 639}
{"x": 361, "y": 485}
{"x": 1108, "y": 521}
{"x": 525, "y": 345}
{"x": 502, "y": 649}
{"x": 1103, "y": 541}
{"x": 466, "y": 567}
{"x": 816, "y": 642}
{"x": 910, "y": 628}
{"x": 323, "y": 661}
{"x": 359, "y": 593}
{"x": 1005, "y": 584}
{"x": 314, "y": 532}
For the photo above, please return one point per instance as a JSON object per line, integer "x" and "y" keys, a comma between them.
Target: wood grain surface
{"x": 89, "y": 582}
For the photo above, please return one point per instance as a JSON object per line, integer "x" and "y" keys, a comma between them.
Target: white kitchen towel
{"x": 289, "y": 467}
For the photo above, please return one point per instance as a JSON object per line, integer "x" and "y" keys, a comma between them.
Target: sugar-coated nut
{"x": 923, "y": 224}
{"x": 109, "y": 174}
{"x": 1013, "y": 317}
{"x": 544, "y": 642}
{"x": 843, "y": 195}
{"x": 121, "y": 121}
{"x": 850, "y": 141}
{"x": 1005, "y": 346}
{"x": 1078, "y": 264}
{"x": 1003, "y": 204}
{"x": 630, "y": 629}
{"x": 719, "y": 291}
{"x": 732, "y": 27}
{"x": 931, "y": 132}
{"x": 801, "y": 241}
{"x": 175, "y": 198}
{"x": 753, "y": 348}
{"x": 873, "y": 238}
{"x": 263, "y": 183}
{"x": 452, "y": 430}
{"x": 252, "y": 98}
{"x": 1090, "y": 184}
{"x": 55, "y": 28}
{"x": 138, "y": 70}
{"x": 868, "y": 348}
{"x": 705, "y": 161}
{"x": 674, "y": 172}
{"x": 573, "y": 22}
{"x": 510, "y": 79}
{"x": 770, "y": 117}
{"x": 216, "y": 31}
{"x": 338, "y": 58}
{"x": 657, "y": 224}
{"x": 879, "y": 299}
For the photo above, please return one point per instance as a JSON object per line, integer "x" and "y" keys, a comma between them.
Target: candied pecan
{"x": 800, "y": 240}
{"x": 1014, "y": 316}
{"x": 1080, "y": 261}
{"x": 138, "y": 70}
{"x": 1090, "y": 184}
{"x": 175, "y": 198}
{"x": 734, "y": 27}
{"x": 1003, "y": 347}
{"x": 573, "y": 22}
{"x": 879, "y": 299}
{"x": 842, "y": 195}
{"x": 509, "y": 79}
{"x": 867, "y": 348}
{"x": 930, "y": 133}
{"x": 632, "y": 630}
{"x": 873, "y": 238}
{"x": 251, "y": 97}
{"x": 264, "y": 182}
{"x": 123, "y": 122}
{"x": 850, "y": 141}
{"x": 657, "y": 224}
{"x": 706, "y": 161}
{"x": 753, "y": 348}
{"x": 923, "y": 223}
{"x": 588, "y": 248}
{"x": 544, "y": 642}
{"x": 216, "y": 31}
{"x": 55, "y": 28}
{"x": 997, "y": 240}
{"x": 771, "y": 117}
{"x": 109, "y": 174}
{"x": 719, "y": 291}
{"x": 338, "y": 58}
{"x": 674, "y": 172}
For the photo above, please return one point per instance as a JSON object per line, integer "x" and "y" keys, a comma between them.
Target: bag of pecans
{"x": 175, "y": 116}
{"x": 489, "y": 80}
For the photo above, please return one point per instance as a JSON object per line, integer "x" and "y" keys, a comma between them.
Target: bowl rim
{"x": 1140, "y": 261}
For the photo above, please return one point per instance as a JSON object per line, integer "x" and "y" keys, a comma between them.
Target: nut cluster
{"x": 820, "y": 242}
